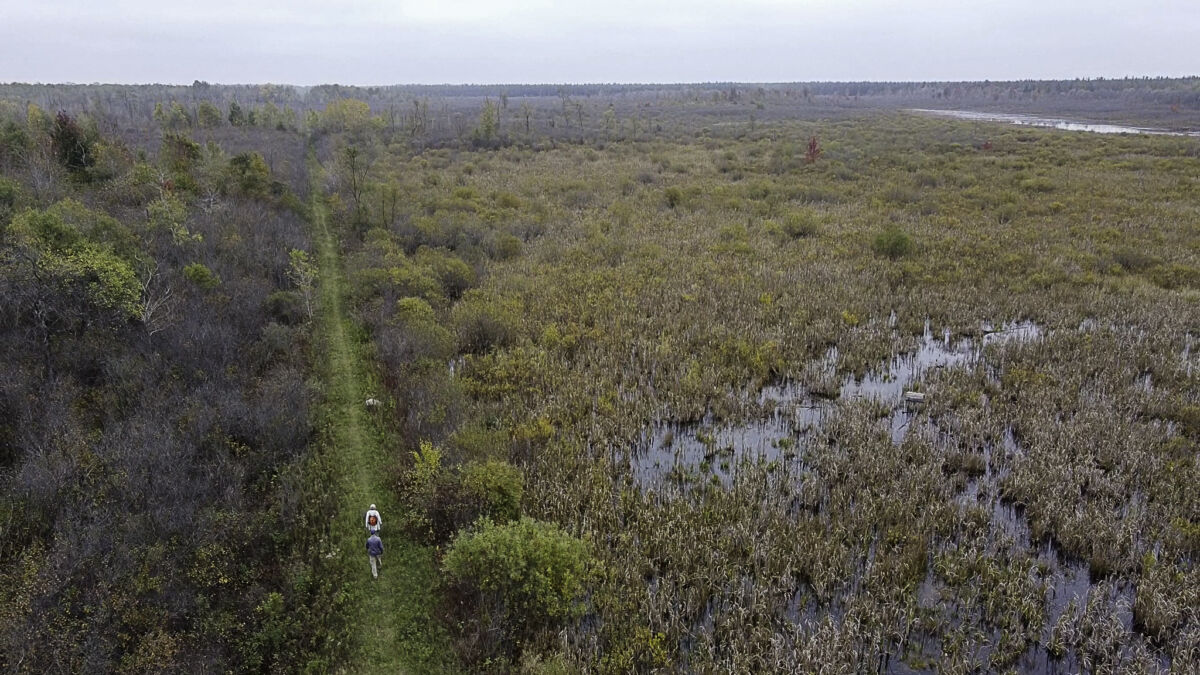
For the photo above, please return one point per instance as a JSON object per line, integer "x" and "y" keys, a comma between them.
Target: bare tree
{"x": 156, "y": 309}
{"x": 355, "y": 173}
{"x": 460, "y": 125}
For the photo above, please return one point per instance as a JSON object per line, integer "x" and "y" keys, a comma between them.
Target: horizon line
{"x": 1080, "y": 78}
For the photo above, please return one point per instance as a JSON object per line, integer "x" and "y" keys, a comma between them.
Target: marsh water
{"x": 1053, "y": 122}
{"x": 712, "y": 452}
{"x": 671, "y": 449}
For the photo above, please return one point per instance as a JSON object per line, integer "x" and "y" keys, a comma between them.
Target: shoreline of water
{"x": 1061, "y": 123}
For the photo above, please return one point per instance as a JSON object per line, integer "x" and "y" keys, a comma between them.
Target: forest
{"x": 644, "y": 378}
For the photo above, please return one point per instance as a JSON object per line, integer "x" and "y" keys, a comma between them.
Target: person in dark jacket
{"x": 375, "y": 551}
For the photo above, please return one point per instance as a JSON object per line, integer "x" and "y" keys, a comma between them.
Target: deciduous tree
{"x": 302, "y": 272}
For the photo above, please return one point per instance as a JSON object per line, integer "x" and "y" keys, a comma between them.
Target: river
{"x": 1052, "y": 122}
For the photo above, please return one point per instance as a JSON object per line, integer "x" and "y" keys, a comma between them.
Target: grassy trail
{"x": 397, "y": 632}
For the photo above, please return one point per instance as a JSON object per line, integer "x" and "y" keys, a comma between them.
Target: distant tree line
{"x": 564, "y": 110}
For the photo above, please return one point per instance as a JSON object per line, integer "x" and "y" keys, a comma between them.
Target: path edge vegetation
{"x": 390, "y": 621}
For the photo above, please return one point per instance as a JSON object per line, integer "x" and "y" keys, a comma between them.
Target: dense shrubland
{"x": 155, "y": 505}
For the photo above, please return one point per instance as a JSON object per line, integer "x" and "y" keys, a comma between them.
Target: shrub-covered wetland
{"x": 696, "y": 353}
{"x": 681, "y": 380}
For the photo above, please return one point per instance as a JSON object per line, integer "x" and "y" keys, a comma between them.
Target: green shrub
{"x": 1006, "y": 213}
{"x": 200, "y": 275}
{"x": 496, "y": 486}
{"x": 9, "y": 193}
{"x": 166, "y": 213}
{"x": 13, "y": 139}
{"x": 507, "y": 200}
{"x": 1134, "y": 261}
{"x": 799, "y": 224}
{"x": 208, "y": 116}
{"x": 506, "y": 247}
{"x": 414, "y": 337}
{"x": 454, "y": 275}
{"x": 465, "y": 193}
{"x": 893, "y": 243}
{"x": 422, "y": 484}
{"x": 673, "y": 195}
{"x": 45, "y": 230}
{"x": 1175, "y": 276}
{"x": 482, "y": 326}
{"x": 249, "y": 174}
{"x": 413, "y": 310}
{"x": 514, "y": 581}
{"x": 411, "y": 279}
{"x": 733, "y": 233}
{"x": 1038, "y": 184}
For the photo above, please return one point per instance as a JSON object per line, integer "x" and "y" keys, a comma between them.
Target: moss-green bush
{"x": 483, "y": 324}
{"x": 200, "y": 275}
{"x": 799, "y": 224}
{"x": 673, "y": 196}
{"x": 514, "y": 581}
{"x": 893, "y": 243}
{"x": 497, "y": 487}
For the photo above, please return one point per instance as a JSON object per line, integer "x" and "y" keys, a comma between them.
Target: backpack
{"x": 372, "y": 520}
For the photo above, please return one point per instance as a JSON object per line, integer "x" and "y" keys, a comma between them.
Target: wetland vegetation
{"x": 645, "y": 360}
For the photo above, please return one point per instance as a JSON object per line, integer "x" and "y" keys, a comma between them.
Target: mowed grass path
{"x": 397, "y": 632}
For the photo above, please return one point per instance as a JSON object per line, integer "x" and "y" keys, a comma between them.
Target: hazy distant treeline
{"x": 132, "y": 105}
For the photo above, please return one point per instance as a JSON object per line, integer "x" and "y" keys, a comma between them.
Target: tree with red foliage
{"x": 72, "y": 145}
{"x": 814, "y": 150}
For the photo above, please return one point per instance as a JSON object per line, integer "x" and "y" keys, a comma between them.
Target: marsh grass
{"x": 1004, "y": 525}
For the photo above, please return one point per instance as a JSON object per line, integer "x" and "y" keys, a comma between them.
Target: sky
{"x": 365, "y": 42}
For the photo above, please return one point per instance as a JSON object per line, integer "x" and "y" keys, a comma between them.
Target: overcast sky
{"x": 507, "y": 41}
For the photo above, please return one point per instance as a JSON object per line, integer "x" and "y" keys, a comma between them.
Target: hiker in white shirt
{"x": 372, "y": 520}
